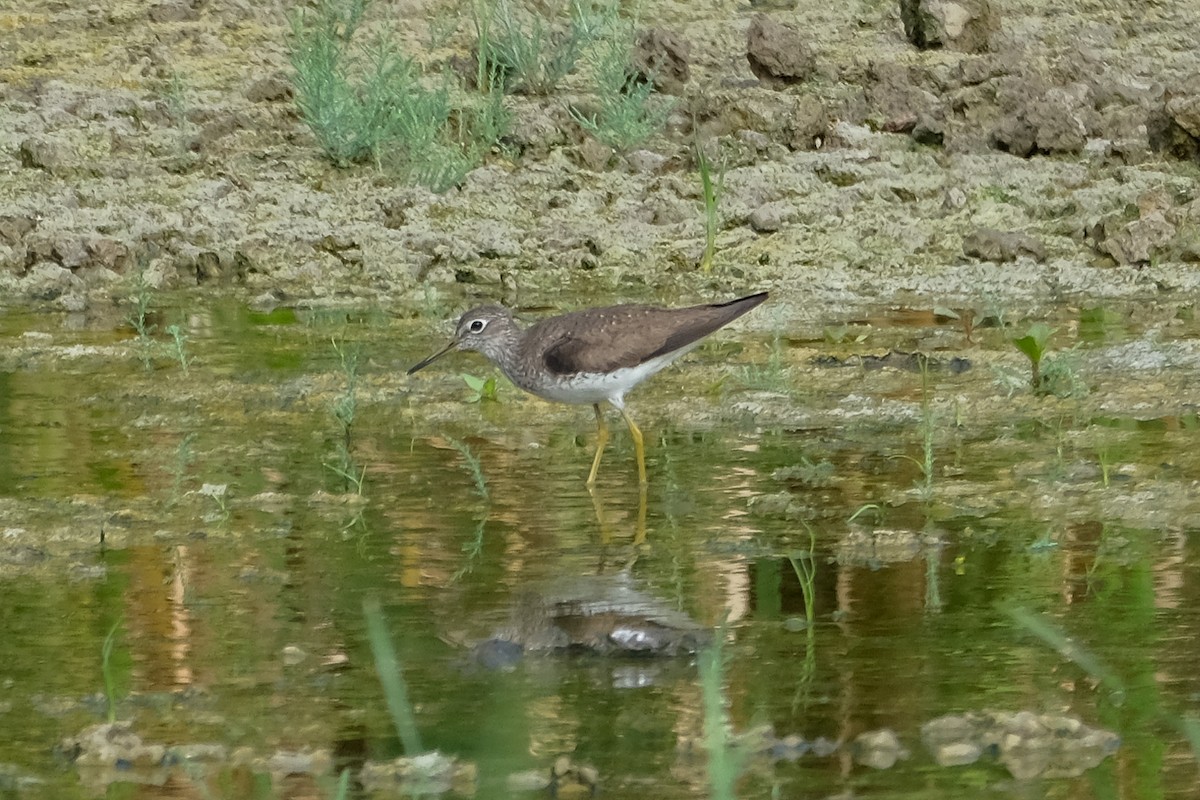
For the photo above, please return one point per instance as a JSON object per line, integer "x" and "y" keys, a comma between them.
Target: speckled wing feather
{"x": 605, "y": 339}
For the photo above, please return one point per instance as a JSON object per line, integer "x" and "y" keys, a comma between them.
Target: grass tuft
{"x": 521, "y": 52}
{"x": 366, "y": 103}
{"x": 629, "y": 110}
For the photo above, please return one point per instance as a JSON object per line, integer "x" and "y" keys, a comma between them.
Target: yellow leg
{"x": 601, "y": 441}
{"x": 639, "y": 446}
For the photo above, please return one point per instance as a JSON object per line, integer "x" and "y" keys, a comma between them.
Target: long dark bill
{"x": 432, "y": 358}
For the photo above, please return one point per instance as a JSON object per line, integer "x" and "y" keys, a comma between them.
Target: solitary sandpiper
{"x": 593, "y": 355}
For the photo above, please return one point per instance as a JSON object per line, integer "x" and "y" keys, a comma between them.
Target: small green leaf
{"x": 476, "y": 385}
{"x": 1033, "y": 343}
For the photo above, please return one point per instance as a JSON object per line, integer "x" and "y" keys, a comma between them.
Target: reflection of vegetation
{"x": 106, "y": 669}
{"x": 725, "y": 757}
{"x": 387, "y": 666}
{"x": 473, "y": 548}
{"x": 933, "y": 580}
{"x": 925, "y": 464}
{"x": 814, "y": 475}
{"x": 473, "y": 466}
{"x": 183, "y": 458}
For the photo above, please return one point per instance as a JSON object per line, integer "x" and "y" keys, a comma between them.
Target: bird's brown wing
{"x": 605, "y": 339}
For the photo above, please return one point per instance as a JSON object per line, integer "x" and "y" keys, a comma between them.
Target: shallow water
{"x": 238, "y": 612}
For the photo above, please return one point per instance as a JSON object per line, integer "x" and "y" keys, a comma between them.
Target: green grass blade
{"x": 387, "y": 665}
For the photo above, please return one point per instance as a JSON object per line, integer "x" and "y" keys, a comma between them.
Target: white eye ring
{"x": 477, "y": 325}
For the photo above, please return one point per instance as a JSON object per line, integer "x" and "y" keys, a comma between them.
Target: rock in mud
{"x": 895, "y": 93}
{"x": 14, "y": 227}
{"x": 1137, "y": 242}
{"x": 1058, "y": 120}
{"x": 1174, "y": 128}
{"x": 39, "y": 152}
{"x": 777, "y": 52}
{"x": 174, "y": 11}
{"x": 1000, "y": 247}
{"x": 965, "y": 26}
{"x": 661, "y": 56}
{"x": 879, "y": 749}
{"x": 770, "y": 217}
{"x": 1030, "y": 745}
{"x": 271, "y": 89}
{"x": 111, "y": 745}
{"x": 809, "y": 124}
{"x": 426, "y": 773}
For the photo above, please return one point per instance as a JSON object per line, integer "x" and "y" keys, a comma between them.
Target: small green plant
{"x": 1048, "y": 376}
{"x": 804, "y": 564}
{"x": 841, "y": 334}
{"x": 771, "y": 376}
{"x": 178, "y": 346}
{"x": 366, "y": 103}
{"x": 345, "y": 409}
{"x": 106, "y": 670}
{"x": 1043, "y": 543}
{"x": 629, "y": 112}
{"x": 711, "y": 190}
{"x": 139, "y": 316}
{"x": 482, "y": 389}
{"x": 387, "y": 666}
{"x": 1033, "y": 345}
{"x": 520, "y": 51}
{"x": 219, "y": 493}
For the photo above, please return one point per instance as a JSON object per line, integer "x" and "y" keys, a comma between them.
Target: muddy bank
{"x": 1042, "y": 153}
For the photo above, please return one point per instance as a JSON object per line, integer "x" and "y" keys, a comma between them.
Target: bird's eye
{"x": 477, "y": 326}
